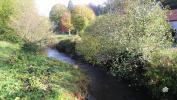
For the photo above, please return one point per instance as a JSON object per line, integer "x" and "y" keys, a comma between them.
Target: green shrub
{"x": 31, "y": 76}
{"x": 89, "y": 47}
{"x": 129, "y": 66}
{"x": 67, "y": 44}
{"x": 124, "y": 43}
{"x": 29, "y": 25}
{"x": 11, "y": 38}
{"x": 6, "y": 12}
{"x": 30, "y": 47}
{"x": 133, "y": 32}
{"x": 162, "y": 73}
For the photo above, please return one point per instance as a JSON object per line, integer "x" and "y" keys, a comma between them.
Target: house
{"x": 172, "y": 19}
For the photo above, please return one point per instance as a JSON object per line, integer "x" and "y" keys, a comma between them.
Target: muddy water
{"x": 102, "y": 85}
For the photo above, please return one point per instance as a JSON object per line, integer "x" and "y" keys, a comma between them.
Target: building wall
{"x": 174, "y": 24}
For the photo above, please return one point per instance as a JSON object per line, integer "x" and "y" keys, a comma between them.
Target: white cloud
{"x": 44, "y": 6}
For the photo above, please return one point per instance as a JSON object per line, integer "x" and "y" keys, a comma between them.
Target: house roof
{"x": 172, "y": 15}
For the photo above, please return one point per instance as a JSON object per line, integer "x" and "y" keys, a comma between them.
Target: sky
{"x": 44, "y": 6}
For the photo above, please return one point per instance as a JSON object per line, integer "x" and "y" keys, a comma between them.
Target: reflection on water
{"x": 53, "y": 53}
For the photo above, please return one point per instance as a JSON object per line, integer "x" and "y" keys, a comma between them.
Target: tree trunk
{"x": 77, "y": 32}
{"x": 69, "y": 32}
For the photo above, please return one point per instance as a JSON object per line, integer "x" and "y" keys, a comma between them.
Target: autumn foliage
{"x": 77, "y": 19}
{"x": 66, "y": 25}
{"x": 82, "y": 17}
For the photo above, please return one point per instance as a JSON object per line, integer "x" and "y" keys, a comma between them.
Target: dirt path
{"x": 102, "y": 86}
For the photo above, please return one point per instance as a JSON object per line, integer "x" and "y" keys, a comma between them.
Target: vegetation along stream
{"x": 102, "y": 86}
{"x": 96, "y": 49}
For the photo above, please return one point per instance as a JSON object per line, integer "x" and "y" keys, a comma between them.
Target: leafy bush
{"x": 89, "y": 47}
{"x": 31, "y": 76}
{"x": 30, "y": 26}
{"x": 68, "y": 45}
{"x": 129, "y": 66}
{"x": 6, "y": 12}
{"x": 124, "y": 43}
{"x": 11, "y": 38}
{"x": 134, "y": 31}
{"x": 30, "y": 47}
{"x": 34, "y": 32}
{"x": 162, "y": 73}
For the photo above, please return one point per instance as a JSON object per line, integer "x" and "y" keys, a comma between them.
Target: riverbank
{"x": 34, "y": 76}
{"x": 103, "y": 86}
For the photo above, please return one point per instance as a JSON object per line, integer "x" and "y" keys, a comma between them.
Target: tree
{"x": 29, "y": 25}
{"x": 70, "y": 5}
{"x": 66, "y": 22}
{"x": 6, "y": 11}
{"x": 112, "y": 37}
{"x": 79, "y": 23}
{"x": 55, "y": 15}
{"x": 95, "y": 8}
{"x": 116, "y": 6}
{"x": 98, "y": 9}
{"x": 172, "y": 4}
{"x": 82, "y": 16}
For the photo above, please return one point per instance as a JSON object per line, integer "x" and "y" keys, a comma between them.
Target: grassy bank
{"x": 32, "y": 76}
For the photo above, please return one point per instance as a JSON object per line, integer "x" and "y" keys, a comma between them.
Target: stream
{"x": 102, "y": 86}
